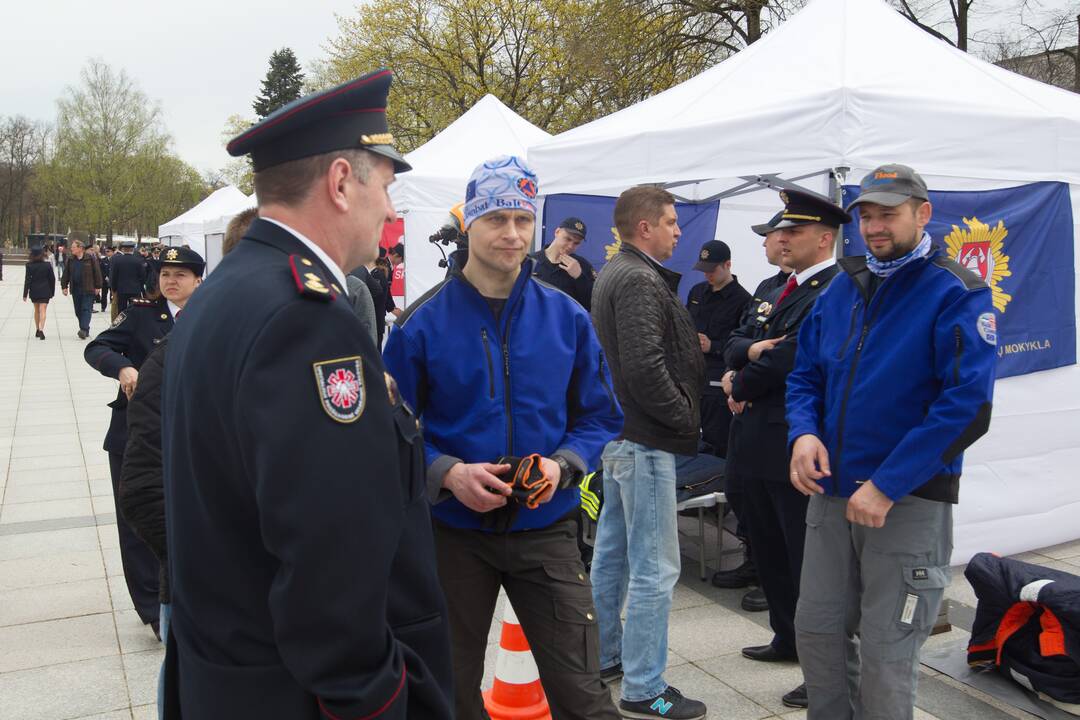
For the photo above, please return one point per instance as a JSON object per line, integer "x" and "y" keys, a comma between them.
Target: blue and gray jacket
{"x": 896, "y": 376}
{"x": 533, "y": 381}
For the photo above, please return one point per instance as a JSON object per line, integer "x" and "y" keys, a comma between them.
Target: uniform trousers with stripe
{"x": 549, "y": 589}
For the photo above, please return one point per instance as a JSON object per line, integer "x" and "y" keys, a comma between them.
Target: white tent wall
{"x": 189, "y": 228}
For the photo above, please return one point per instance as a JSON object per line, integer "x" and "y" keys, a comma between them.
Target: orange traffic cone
{"x": 517, "y": 693}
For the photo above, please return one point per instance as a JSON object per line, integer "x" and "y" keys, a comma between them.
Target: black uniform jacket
{"x": 142, "y": 490}
{"x": 40, "y": 283}
{"x": 761, "y": 448}
{"x": 106, "y": 265}
{"x": 579, "y": 288}
{"x": 126, "y": 343}
{"x": 127, "y": 273}
{"x": 301, "y": 556}
{"x": 716, "y": 315}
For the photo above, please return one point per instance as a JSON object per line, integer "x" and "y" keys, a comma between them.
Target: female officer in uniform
{"x": 118, "y": 353}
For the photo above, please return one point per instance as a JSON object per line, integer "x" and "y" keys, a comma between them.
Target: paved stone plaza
{"x": 71, "y": 646}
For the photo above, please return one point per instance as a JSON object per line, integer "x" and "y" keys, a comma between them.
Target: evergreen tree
{"x": 283, "y": 84}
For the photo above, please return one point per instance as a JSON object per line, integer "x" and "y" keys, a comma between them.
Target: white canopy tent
{"x": 214, "y": 232}
{"x": 441, "y": 168}
{"x": 188, "y": 228}
{"x": 842, "y": 87}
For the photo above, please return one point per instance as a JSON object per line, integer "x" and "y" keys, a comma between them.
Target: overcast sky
{"x": 203, "y": 60}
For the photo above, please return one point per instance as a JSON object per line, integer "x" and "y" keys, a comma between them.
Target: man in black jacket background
{"x": 658, "y": 372}
{"x": 127, "y": 274}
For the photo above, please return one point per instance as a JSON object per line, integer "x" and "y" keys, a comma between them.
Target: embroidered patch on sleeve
{"x": 341, "y": 388}
{"x": 987, "y": 326}
{"x": 119, "y": 320}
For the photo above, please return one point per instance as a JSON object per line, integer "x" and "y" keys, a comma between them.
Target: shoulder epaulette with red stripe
{"x": 309, "y": 280}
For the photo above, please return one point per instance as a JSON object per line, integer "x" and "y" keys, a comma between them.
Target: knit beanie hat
{"x": 503, "y": 183}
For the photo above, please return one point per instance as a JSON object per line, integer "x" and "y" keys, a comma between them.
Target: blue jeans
{"x": 636, "y": 562}
{"x": 84, "y": 308}
{"x": 698, "y": 474}
{"x": 166, "y": 613}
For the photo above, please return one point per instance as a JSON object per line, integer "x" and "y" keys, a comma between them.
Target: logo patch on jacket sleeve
{"x": 341, "y": 388}
{"x": 987, "y": 326}
{"x": 119, "y": 320}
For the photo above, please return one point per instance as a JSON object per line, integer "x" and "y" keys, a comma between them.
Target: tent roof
{"x": 486, "y": 129}
{"x": 442, "y": 165}
{"x": 224, "y": 201}
{"x": 842, "y": 83}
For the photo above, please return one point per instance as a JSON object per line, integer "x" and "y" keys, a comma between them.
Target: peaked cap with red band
{"x": 351, "y": 115}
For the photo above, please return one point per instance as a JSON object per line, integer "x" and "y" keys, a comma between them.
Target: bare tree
{"x": 1041, "y": 43}
{"x": 21, "y": 145}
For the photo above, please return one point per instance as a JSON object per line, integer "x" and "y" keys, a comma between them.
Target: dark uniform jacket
{"x": 127, "y": 273}
{"x": 716, "y": 315}
{"x": 106, "y": 264}
{"x": 40, "y": 283}
{"x": 579, "y": 288}
{"x": 301, "y": 556}
{"x": 127, "y": 342}
{"x": 653, "y": 349}
{"x": 761, "y": 449}
{"x": 142, "y": 491}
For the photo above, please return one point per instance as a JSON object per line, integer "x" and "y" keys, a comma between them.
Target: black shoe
{"x": 796, "y": 698}
{"x": 39, "y": 335}
{"x": 669, "y": 704}
{"x": 754, "y": 601}
{"x": 743, "y": 576}
{"x": 83, "y": 334}
{"x": 611, "y": 674}
{"x": 155, "y": 625}
{"x": 768, "y": 653}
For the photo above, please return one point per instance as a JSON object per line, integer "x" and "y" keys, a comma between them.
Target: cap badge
{"x": 172, "y": 254}
{"x": 704, "y": 255}
{"x": 784, "y": 197}
{"x": 578, "y": 226}
{"x": 341, "y": 388}
{"x": 377, "y": 139}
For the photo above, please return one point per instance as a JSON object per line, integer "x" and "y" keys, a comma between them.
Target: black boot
{"x": 743, "y": 576}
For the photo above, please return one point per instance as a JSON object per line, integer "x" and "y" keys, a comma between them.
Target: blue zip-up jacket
{"x": 536, "y": 381}
{"x": 898, "y": 385}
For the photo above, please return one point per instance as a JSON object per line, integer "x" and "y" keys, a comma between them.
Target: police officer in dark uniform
{"x": 767, "y": 290}
{"x": 760, "y": 363}
{"x": 106, "y": 263}
{"x": 301, "y": 559}
{"x": 558, "y": 264}
{"x": 127, "y": 273}
{"x": 716, "y": 305}
{"x": 119, "y": 353}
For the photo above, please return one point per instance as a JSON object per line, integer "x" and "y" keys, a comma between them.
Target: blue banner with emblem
{"x": 697, "y": 222}
{"x": 1020, "y": 241}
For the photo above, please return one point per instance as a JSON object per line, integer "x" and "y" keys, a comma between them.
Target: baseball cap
{"x": 890, "y": 185}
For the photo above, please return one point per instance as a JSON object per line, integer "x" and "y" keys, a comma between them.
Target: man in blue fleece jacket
{"x": 893, "y": 379}
{"x": 499, "y": 364}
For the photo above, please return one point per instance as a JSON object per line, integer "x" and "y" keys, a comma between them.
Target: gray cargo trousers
{"x": 868, "y": 600}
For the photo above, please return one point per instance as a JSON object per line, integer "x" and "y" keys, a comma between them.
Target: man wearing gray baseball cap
{"x": 893, "y": 381}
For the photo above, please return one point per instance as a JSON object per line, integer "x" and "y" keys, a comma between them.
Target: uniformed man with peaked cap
{"x": 761, "y": 361}
{"x": 302, "y": 565}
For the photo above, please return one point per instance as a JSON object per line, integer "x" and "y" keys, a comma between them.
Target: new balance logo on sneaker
{"x": 669, "y": 704}
{"x": 662, "y": 707}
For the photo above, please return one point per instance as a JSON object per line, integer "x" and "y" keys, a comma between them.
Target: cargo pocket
{"x": 575, "y": 640}
{"x": 920, "y": 596}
